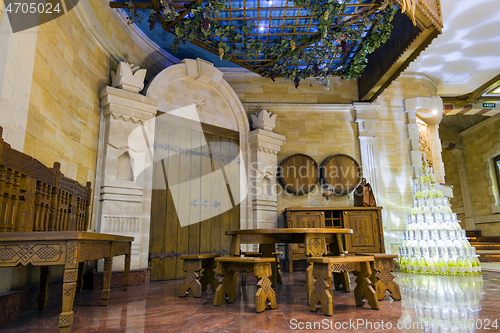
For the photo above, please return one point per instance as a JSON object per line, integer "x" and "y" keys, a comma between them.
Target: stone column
{"x": 264, "y": 147}
{"x": 124, "y": 175}
{"x": 430, "y": 110}
{"x": 367, "y": 120}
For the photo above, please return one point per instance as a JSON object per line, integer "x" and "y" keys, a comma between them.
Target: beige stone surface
{"x": 478, "y": 142}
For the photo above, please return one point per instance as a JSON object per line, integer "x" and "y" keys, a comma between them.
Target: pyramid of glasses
{"x": 434, "y": 242}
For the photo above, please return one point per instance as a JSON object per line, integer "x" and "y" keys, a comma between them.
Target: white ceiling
{"x": 467, "y": 54}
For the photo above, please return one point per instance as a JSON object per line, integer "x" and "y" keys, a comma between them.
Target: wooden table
{"x": 68, "y": 248}
{"x": 314, "y": 240}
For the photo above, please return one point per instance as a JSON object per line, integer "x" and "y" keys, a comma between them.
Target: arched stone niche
{"x": 195, "y": 89}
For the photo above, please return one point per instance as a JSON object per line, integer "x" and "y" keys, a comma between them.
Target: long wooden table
{"x": 314, "y": 240}
{"x": 68, "y": 248}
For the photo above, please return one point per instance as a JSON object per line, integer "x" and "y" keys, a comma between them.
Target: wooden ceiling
{"x": 277, "y": 18}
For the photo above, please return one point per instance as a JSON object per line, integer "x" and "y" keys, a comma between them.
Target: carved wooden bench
{"x": 381, "y": 277}
{"x": 45, "y": 218}
{"x": 321, "y": 291}
{"x": 261, "y": 268}
{"x": 194, "y": 265}
{"x": 276, "y": 267}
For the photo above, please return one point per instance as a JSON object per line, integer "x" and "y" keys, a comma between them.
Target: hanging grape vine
{"x": 296, "y": 57}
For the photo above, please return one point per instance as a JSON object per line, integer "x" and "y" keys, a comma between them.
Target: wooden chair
{"x": 194, "y": 265}
{"x": 381, "y": 277}
{"x": 261, "y": 268}
{"x": 276, "y": 267}
{"x": 321, "y": 291}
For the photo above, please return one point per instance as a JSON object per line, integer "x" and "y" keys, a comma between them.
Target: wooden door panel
{"x": 365, "y": 231}
{"x": 196, "y": 206}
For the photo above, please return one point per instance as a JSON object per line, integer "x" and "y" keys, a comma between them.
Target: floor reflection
{"x": 441, "y": 303}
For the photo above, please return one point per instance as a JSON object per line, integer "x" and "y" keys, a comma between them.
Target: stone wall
{"x": 321, "y": 122}
{"x": 478, "y": 141}
{"x": 252, "y": 88}
{"x": 74, "y": 56}
{"x": 451, "y": 134}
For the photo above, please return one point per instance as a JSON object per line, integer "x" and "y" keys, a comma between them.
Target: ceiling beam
{"x": 137, "y": 4}
{"x": 476, "y": 95}
{"x": 184, "y": 13}
{"x": 156, "y": 5}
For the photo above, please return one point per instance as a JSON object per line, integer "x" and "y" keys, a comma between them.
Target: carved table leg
{"x": 44, "y": 284}
{"x": 79, "y": 281}
{"x": 126, "y": 271}
{"x": 69, "y": 287}
{"x": 243, "y": 278}
{"x": 106, "y": 281}
{"x": 363, "y": 286}
{"x": 267, "y": 251}
{"x": 208, "y": 277}
{"x": 279, "y": 276}
{"x": 341, "y": 280}
{"x": 382, "y": 279}
{"x": 265, "y": 294}
{"x": 192, "y": 267}
{"x": 309, "y": 282}
{"x": 321, "y": 289}
{"x": 227, "y": 285}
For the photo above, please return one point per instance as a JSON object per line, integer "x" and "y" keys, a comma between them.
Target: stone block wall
{"x": 252, "y": 88}
{"x": 451, "y": 134}
{"x": 74, "y": 56}
{"x": 319, "y": 135}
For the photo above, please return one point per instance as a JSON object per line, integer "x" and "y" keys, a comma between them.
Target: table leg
{"x": 364, "y": 286}
{"x": 227, "y": 285}
{"x": 126, "y": 271}
{"x": 79, "y": 280}
{"x": 267, "y": 252}
{"x": 321, "y": 289}
{"x": 265, "y": 294}
{"x": 69, "y": 287}
{"x": 208, "y": 277}
{"x": 341, "y": 280}
{"x": 44, "y": 284}
{"x": 106, "y": 281}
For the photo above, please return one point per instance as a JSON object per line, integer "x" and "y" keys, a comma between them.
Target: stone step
{"x": 486, "y": 246}
{"x": 488, "y": 255}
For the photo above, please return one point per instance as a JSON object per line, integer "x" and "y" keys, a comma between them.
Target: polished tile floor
{"x": 434, "y": 304}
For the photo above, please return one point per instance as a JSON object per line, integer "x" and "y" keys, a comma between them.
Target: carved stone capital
{"x": 128, "y": 77}
{"x": 264, "y": 120}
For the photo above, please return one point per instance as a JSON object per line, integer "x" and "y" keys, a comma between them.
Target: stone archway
{"x": 198, "y": 83}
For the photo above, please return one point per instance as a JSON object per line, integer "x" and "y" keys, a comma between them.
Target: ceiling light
{"x": 261, "y": 28}
{"x": 434, "y": 112}
{"x": 458, "y": 78}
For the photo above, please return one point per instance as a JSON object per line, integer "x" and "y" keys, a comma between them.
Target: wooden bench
{"x": 44, "y": 219}
{"x": 276, "y": 276}
{"x": 194, "y": 265}
{"x": 321, "y": 291}
{"x": 261, "y": 268}
{"x": 381, "y": 277}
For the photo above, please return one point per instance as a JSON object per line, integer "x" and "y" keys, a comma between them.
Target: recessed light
{"x": 456, "y": 78}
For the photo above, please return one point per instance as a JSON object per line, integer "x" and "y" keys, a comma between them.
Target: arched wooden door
{"x": 196, "y": 195}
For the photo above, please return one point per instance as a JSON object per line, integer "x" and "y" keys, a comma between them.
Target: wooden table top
{"x": 60, "y": 235}
{"x": 280, "y": 231}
